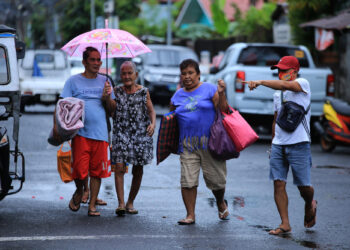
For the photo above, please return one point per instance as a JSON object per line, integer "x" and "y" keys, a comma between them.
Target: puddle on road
{"x": 109, "y": 190}
{"x": 304, "y": 243}
{"x": 237, "y": 201}
{"x": 342, "y": 169}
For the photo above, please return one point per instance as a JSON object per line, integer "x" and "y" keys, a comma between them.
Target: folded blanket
{"x": 69, "y": 118}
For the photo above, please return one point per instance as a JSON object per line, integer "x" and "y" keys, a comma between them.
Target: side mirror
{"x": 20, "y": 49}
{"x": 213, "y": 70}
{"x": 2, "y": 111}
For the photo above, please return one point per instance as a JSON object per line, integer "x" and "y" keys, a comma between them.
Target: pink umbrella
{"x": 110, "y": 42}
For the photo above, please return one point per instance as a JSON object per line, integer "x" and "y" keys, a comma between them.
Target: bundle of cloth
{"x": 70, "y": 117}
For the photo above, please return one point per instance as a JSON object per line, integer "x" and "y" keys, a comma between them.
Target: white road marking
{"x": 98, "y": 237}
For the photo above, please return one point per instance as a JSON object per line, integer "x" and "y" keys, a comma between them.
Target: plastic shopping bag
{"x": 64, "y": 160}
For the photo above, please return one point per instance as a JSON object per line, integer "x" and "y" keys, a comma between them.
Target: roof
{"x": 7, "y": 29}
{"x": 204, "y": 7}
{"x": 338, "y": 22}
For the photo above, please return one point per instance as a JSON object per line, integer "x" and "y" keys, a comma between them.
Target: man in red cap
{"x": 290, "y": 148}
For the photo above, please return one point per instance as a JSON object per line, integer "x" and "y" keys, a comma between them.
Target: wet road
{"x": 38, "y": 217}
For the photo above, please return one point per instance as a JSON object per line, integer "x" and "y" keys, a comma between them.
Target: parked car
{"x": 159, "y": 70}
{"x": 252, "y": 61}
{"x": 76, "y": 65}
{"x": 12, "y": 164}
{"x": 42, "y": 76}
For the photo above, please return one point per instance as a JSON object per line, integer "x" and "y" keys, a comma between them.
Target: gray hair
{"x": 129, "y": 63}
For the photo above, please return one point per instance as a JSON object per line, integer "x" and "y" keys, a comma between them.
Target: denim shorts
{"x": 297, "y": 156}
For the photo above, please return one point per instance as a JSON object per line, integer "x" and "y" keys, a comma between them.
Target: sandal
{"x": 280, "y": 231}
{"x": 85, "y": 197}
{"x": 93, "y": 213}
{"x": 311, "y": 221}
{"x": 186, "y": 222}
{"x": 131, "y": 211}
{"x": 225, "y": 214}
{"x": 72, "y": 205}
{"x": 100, "y": 202}
{"x": 120, "y": 211}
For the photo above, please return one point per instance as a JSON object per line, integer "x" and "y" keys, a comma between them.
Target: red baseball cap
{"x": 287, "y": 62}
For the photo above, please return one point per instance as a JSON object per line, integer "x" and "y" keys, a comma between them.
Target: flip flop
{"x": 131, "y": 211}
{"x": 282, "y": 231}
{"x": 308, "y": 223}
{"x": 186, "y": 222}
{"x": 92, "y": 213}
{"x": 222, "y": 214}
{"x": 120, "y": 211}
{"x": 85, "y": 198}
{"x": 72, "y": 206}
{"x": 100, "y": 202}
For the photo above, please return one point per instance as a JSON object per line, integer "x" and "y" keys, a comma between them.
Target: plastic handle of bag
{"x": 62, "y": 145}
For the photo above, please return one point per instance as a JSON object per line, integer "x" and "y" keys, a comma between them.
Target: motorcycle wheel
{"x": 327, "y": 144}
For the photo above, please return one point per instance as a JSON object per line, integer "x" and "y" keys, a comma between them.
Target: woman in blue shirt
{"x": 195, "y": 105}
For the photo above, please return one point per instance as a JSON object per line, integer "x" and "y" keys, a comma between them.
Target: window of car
{"x": 167, "y": 57}
{"x": 4, "y": 72}
{"x": 226, "y": 58}
{"x": 268, "y": 56}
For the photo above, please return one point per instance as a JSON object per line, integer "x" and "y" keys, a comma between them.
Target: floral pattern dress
{"x": 130, "y": 141}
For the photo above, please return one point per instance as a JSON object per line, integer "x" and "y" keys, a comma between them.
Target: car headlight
{"x": 152, "y": 77}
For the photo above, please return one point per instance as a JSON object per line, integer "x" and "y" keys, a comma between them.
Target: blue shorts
{"x": 297, "y": 156}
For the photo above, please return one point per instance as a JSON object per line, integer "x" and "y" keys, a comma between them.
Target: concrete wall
{"x": 343, "y": 76}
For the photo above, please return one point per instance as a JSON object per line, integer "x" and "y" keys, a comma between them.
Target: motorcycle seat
{"x": 340, "y": 106}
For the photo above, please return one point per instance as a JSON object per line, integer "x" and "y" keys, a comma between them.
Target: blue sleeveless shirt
{"x": 195, "y": 113}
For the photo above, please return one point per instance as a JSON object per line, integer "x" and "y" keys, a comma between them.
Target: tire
{"x": 23, "y": 105}
{"x": 327, "y": 144}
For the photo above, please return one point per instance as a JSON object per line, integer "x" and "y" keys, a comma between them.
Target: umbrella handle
{"x": 107, "y": 59}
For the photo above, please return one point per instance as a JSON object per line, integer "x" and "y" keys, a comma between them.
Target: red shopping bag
{"x": 238, "y": 129}
{"x": 168, "y": 137}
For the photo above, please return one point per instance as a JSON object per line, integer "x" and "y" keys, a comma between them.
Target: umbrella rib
{"x": 76, "y": 47}
{"x": 132, "y": 55}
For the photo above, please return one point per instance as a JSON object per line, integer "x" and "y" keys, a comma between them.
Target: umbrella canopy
{"x": 113, "y": 43}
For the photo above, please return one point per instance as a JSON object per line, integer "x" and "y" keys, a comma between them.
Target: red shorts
{"x": 90, "y": 157}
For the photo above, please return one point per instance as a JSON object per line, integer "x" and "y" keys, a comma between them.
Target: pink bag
{"x": 238, "y": 129}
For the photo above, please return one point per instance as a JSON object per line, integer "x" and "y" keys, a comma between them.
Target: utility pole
{"x": 92, "y": 14}
{"x": 169, "y": 31}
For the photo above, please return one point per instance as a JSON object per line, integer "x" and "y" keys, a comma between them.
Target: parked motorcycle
{"x": 334, "y": 124}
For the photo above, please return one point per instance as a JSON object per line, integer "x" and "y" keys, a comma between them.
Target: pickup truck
{"x": 252, "y": 61}
{"x": 43, "y": 74}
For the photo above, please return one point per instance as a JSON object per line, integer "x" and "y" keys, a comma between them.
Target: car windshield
{"x": 44, "y": 58}
{"x": 4, "y": 78}
{"x": 268, "y": 56}
{"x": 167, "y": 57}
{"x": 76, "y": 63}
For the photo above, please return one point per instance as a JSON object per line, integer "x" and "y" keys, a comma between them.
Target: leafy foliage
{"x": 196, "y": 30}
{"x": 76, "y": 19}
{"x": 303, "y": 11}
{"x": 127, "y": 9}
{"x": 256, "y": 25}
{"x": 220, "y": 21}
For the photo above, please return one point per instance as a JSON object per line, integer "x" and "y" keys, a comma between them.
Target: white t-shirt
{"x": 302, "y": 98}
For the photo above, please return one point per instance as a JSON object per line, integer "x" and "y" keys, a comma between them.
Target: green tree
{"x": 220, "y": 21}
{"x": 256, "y": 25}
{"x": 303, "y": 11}
{"x": 75, "y": 18}
{"x": 127, "y": 9}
